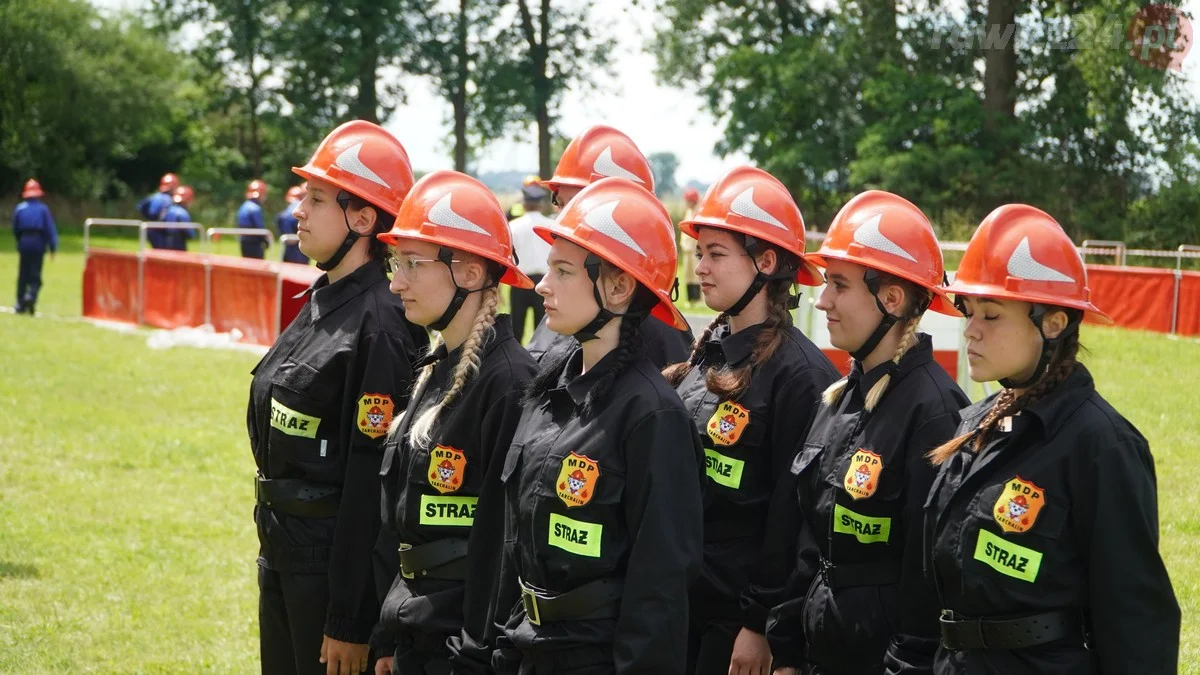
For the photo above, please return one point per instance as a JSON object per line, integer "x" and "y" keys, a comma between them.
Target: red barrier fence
{"x": 172, "y": 289}
{"x": 1148, "y": 298}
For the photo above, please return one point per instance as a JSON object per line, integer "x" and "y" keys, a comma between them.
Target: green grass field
{"x": 126, "y": 541}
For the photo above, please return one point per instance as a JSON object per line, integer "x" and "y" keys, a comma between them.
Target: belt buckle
{"x": 529, "y": 600}
{"x": 405, "y": 572}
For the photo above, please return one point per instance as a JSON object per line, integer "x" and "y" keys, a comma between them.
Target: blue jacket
{"x": 250, "y": 214}
{"x": 177, "y": 239}
{"x": 285, "y": 221}
{"x": 33, "y": 226}
{"x": 154, "y": 209}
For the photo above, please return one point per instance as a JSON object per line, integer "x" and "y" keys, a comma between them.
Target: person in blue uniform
{"x": 33, "y": 226}
{"x": 250, "y": 216}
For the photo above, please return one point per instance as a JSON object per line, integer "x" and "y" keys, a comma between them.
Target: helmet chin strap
{"x": 1049, "y": 345}
{"x": 446, "y": 257}
{"x": 588, "y": 332}
{"x": 343, "y": 200}
{"x": 871, "y": 278}
{"x": 751, "y": 244}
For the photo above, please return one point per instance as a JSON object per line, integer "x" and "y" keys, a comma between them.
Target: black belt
{"x": 297, "y": 497}
{"x": 441, "y": 559}
{"x": 847, "y": 575}
{"x": 600, "y": 599}
{"x": 961, "y": 633}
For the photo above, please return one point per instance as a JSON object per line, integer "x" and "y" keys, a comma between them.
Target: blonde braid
{"x": 464, "y": 370}
{"x": 906, "y": 343}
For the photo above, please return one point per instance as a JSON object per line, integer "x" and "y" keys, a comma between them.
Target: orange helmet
{"x": 454, "y": 210}
{"x": 256, "y": 189}
{"x": 295, "y": 193}
{"x": 754, "y": 203}
{"x": 691, "y": 195}
{"x": 365, "y": 160}
{"x": 601, "y": 152}
{"x": 622, "y": 223}
{"x": 168, "y": 182}
{"x": 32, "y": 189}
{"x": 1020, "y": 500}
{"x": 888, "y": 233}
{"x": 1021, "y": 253}
{"x": 531, "y": 179}
{"x": 183, "y": 194}
{"x": 578, "y": 475}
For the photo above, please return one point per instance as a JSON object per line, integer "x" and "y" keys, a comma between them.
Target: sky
{"x": 656, "y": 117}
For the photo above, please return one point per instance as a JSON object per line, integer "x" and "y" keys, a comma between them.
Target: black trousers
{"x": 29, "y": 280}
{"x": 291, "y": 621}
{"x": 522, "y": 301}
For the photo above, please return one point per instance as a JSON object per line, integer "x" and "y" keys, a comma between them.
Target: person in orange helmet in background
{"x": 597, "y": 569}
{"x": 450, "y": 252}
{"x": 321, "y": 402}
{"x": 250, "y": 216}
{"x": 287, "y": 224}
{"x": 33, "y": 226}
{"x": 1041, "y": 529}
{"x": 752, "y": 386}
{"x": 858, "y": 601}
{"x": 154, "y": 209}
{"x": 687, "y": 249}
{"x": 598, "y": 152}
{"x": 181, "y": 200}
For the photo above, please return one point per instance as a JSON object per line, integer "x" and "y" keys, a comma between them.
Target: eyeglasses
{"x": 409, "y": 267}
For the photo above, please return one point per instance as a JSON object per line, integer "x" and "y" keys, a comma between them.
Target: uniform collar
{"x": 1062, "y": 401}
{"x": 577, "y": 385}
{"x": 732, "y": 349}
{"x": 917, "y": 355}
{"x": 327, "y": 297}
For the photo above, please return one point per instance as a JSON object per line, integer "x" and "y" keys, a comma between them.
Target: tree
{"x": 664, "y": 165}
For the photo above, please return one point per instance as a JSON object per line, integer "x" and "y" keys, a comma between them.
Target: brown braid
{"x": 1062, "y": 364}
{"x": 729, "y": 384}
{"x": 677, "y": 371}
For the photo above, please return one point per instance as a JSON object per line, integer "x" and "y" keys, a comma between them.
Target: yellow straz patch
{"x": 576, "y": 483}
{"x": 865, "y": 529}
{"x": 1008, "y": 558}
{"x": 293, "y": 423}
{"x": 1018, "y": 506}
{"x": 447, "y": 467}
{"x": 723, "y": 470}
{"x": 862, "y": 476}
{"x": 374, "y": 414}
{"x": 726, "y": 425}
{"x": 575, "y": 536}
{"x": 448, "y": 511}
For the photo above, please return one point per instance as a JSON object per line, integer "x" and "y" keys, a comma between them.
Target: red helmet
{"x": 365, "y": 160}
{"x": 32, "y": 190}
{"x": 1020, "y": 500}
{"x": 445, "y": 464}
{"x": 625, "y": 225}
{"x": 256, "y": 189}
{"x": 183, "y": 195}
{"x": 1021, "y": 253}
{"x": 452, "y": 209}
{"x": 578, "y": 475}
{"x": 168, "y": 182}
{"x": 691, "y": 195}
{"x": 295, "y": 193}
{"x": 752, "y": 202}
{"x": 886, "y": 232}
{"x": 601, "y": 152}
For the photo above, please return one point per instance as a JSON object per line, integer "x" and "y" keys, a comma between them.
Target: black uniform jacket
{"x": 749, "y": 445}
{"x": 1058, "y": 511}
{"x": 858, "y": 596}
{"x": 662, "y": 344}
{"x": 432, "y": 493}
{"x": 611, "y": 495}
{"x": 320, "y": 404}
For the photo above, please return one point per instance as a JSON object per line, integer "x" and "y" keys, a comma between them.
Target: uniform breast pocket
{"x": 864, "y": 490}
{"x": 585, "y": 520}
{"x": 436, "y": 487}
{"x": 304, "y": 414}
{"x": 1012, "y": 528}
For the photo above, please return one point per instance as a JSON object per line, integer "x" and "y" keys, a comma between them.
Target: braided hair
{"x": 730, "y": 383}
{"x": 1008, "y": 403}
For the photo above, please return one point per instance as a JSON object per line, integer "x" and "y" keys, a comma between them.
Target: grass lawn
{"x": 126, "y": 541}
